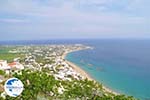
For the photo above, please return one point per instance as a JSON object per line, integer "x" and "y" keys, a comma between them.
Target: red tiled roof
{"x": 12, "y": 64}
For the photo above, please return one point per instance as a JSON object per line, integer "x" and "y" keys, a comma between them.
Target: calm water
{"x": 122, "y": 65}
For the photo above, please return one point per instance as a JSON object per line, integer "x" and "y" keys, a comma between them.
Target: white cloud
{"x": 67, "y": 17}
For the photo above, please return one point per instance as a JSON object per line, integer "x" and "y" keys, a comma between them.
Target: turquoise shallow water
{"x": 121, "y": 65}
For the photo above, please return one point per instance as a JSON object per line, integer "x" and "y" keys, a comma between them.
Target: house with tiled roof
{"x": 16, "y": 65}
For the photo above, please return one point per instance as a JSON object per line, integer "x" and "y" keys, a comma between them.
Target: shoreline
{"x": 84, "y": 73}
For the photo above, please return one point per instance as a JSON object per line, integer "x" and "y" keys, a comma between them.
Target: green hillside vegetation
{"x": 41, "y": 86}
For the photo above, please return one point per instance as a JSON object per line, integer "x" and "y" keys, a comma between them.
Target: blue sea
{"x": 122, "y": 65}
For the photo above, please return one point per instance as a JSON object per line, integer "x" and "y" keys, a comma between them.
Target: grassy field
{"x": 4, "y": 50}
{"x": 9, "y": 56}
{"x": 5, "y": 55}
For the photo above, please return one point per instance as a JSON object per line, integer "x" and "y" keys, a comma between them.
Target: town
{"x": 47, "y": 75}
{"x": 50, "y": 58}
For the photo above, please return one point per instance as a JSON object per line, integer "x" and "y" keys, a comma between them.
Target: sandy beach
{"x": 84, "y": 74}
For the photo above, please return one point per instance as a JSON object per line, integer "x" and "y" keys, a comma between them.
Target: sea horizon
{"x": 64, "y": 41}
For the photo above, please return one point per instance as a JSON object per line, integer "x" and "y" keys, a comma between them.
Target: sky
{"x": 61, "y": 19}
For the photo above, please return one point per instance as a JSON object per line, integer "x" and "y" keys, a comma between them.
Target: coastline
{"x": 84, "y": 73}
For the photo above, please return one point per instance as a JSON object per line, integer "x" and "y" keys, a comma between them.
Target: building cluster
{"x": 48, "y": 57}
{"x": 9, "y": 68}
{"x": 61, "y": 70}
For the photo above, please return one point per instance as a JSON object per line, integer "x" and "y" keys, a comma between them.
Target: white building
{"x": 4, "y": 65}
{"x": 16, "y": 65}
